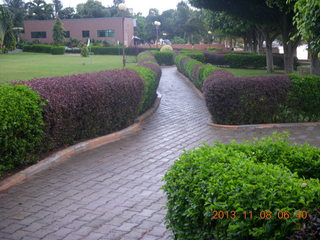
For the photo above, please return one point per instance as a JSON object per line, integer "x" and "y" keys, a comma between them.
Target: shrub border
{"x": 65, "y": 154}
{"x": 260, "y": 126}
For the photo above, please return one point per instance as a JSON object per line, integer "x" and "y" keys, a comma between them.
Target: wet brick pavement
{"x": 113, "y": 192}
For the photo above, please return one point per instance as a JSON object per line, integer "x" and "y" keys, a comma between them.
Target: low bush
{"x": 118, "y": 50}
{"x": 204, "y": 72}
{"x": 84, "y": 51}
{"x": 199, "y": 56}
{"x": 153, "y": 66}
{"x": 164, "y": 58}
{"x": 214, "y": 59}
{"x": 188, "y": 69}
{"x": 88, "y": 105}
{"x": 245, "y": 100}
{"x": 151, "y": 82}
{"x": 58, "y": 50}
{"x": 40, "y": 48}
{"x": 245, "y": 60}
{"x": 304, "y": 98}
{"x": 166, "y": 48}
{"x": 195, "y": 76}
{"x": 106, "y": 50}
{"x": 229, "y": 181}
{"x": 21, "y": 126}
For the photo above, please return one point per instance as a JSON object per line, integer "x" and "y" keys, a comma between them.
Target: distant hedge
{"x": 44, "y": 48}
{"x": 241, "y": 191}
{"x": 118, "y": 50}
{"x": 244, "y": 60}
{"x": 21, "y": 126}
{"x": 164, "y": 58}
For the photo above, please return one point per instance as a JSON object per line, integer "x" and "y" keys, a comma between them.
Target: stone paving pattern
{"x": 113, "y": 192}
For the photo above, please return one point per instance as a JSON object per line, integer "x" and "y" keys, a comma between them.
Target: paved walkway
{"x": 114, "y": 192}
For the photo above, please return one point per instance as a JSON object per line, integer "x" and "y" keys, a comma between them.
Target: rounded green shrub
{"x": 166, "y": 48}
{"x": 164, "y": 58}
{"x": 84, "y": 51}
{"x": 21, "y": 126}
{"x": 219, "y": 178}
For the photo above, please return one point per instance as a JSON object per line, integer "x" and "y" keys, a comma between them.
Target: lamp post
{"x": 122, "y": 7}
{"x": 157, "y": 24}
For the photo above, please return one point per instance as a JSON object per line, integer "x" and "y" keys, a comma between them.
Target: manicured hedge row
{"x": 262, "y": 99}
{"x": 244, "y": 60}
{"x": 245, "y": 100}
{"x": 251, "y": 100}
{"x": 151, "y": 73}
{"x": 42, "y": 48}
{"x": 83, "y": 106}
{"x": 231, "y": 179}
{"x": 118, "y": 50}
{"x": 21, "y": 125}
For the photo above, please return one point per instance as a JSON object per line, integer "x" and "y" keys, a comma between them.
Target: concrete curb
{"x": 65, "y": 154}
{"x": 266, "y": 125}
{"x": 254, "y": 126}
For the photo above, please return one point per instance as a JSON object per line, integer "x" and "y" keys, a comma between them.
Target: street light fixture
{"x": 122, "y": 7}
{"x": 157, "y": 24}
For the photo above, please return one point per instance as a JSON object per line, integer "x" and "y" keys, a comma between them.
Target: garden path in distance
{"x": 113, "y": 192}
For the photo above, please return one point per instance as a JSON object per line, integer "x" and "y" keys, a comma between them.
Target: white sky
{"x": 142, "y": 6}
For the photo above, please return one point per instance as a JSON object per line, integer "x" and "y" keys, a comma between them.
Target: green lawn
{"x": 25, "y": 66}
{"x": 250, "y": 72}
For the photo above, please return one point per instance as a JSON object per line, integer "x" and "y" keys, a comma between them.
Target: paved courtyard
{"x": 113, "y": 192}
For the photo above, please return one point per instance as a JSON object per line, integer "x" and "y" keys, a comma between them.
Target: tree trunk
{"x": 245, "y": 44}
{"x": 269, "y": 56}
{"x": 289, "y": 46}
{"x": 260, "y": 39}
{"x": 315, "y": 64}
{"x": 255, "y": 42}
{"x": 288, "y": 49}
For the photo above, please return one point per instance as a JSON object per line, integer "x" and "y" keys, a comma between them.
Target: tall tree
{"x": 7, "y": 40}
{"x": 57, "y": 6}
{"x": 307, "y": 20}
{"x": 39, "y": 10}
{"x": 66, "y": 13}
{"x": 257, "y": 12}
{"x": 92, "y": 9}
{"x": 18, "y": 11}
{"x": 58, "y": 32}
{"x": 117, "y": 2}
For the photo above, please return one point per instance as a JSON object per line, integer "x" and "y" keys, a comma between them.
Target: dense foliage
{"x": 231, "y": 178}
{"x": 164, "y": 58}
{"x": 58, "y": 50}
{"x": 84, "y": 106}
{"x": 21, "y": 124}
{"x": 245, "y": 100}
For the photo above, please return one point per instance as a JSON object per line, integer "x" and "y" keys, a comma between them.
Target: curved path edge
{"x": 73, "y": 150}
{"x": 265, "y": 125}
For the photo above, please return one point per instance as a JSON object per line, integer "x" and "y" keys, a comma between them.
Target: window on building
{"x": 67, "y": 34}
{"x": 105, "y": 33}
{"x": 38, "y": 34}
{"x": 85, "y": 34}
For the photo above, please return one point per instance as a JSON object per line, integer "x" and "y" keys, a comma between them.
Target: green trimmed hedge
{"x": 58, "y": 50}
{"x": 151, "y": 83}
{"x": 43, "y": 48}
{"x": 231, "y": 178}
{"x": 304, "y": 98}
{"x": 164, "y": 58}
{"x": 118, "y": 50}
{"x": 40, "y": 48}
{"x": 21, "y": 126}
{"x": 245, "y": 60}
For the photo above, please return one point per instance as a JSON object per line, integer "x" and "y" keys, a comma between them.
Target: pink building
{"x": 109, "y": 29}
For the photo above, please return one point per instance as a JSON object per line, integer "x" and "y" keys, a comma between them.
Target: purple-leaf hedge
{"x": 245, "y": 100}
{"x": 87, "y": 105}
